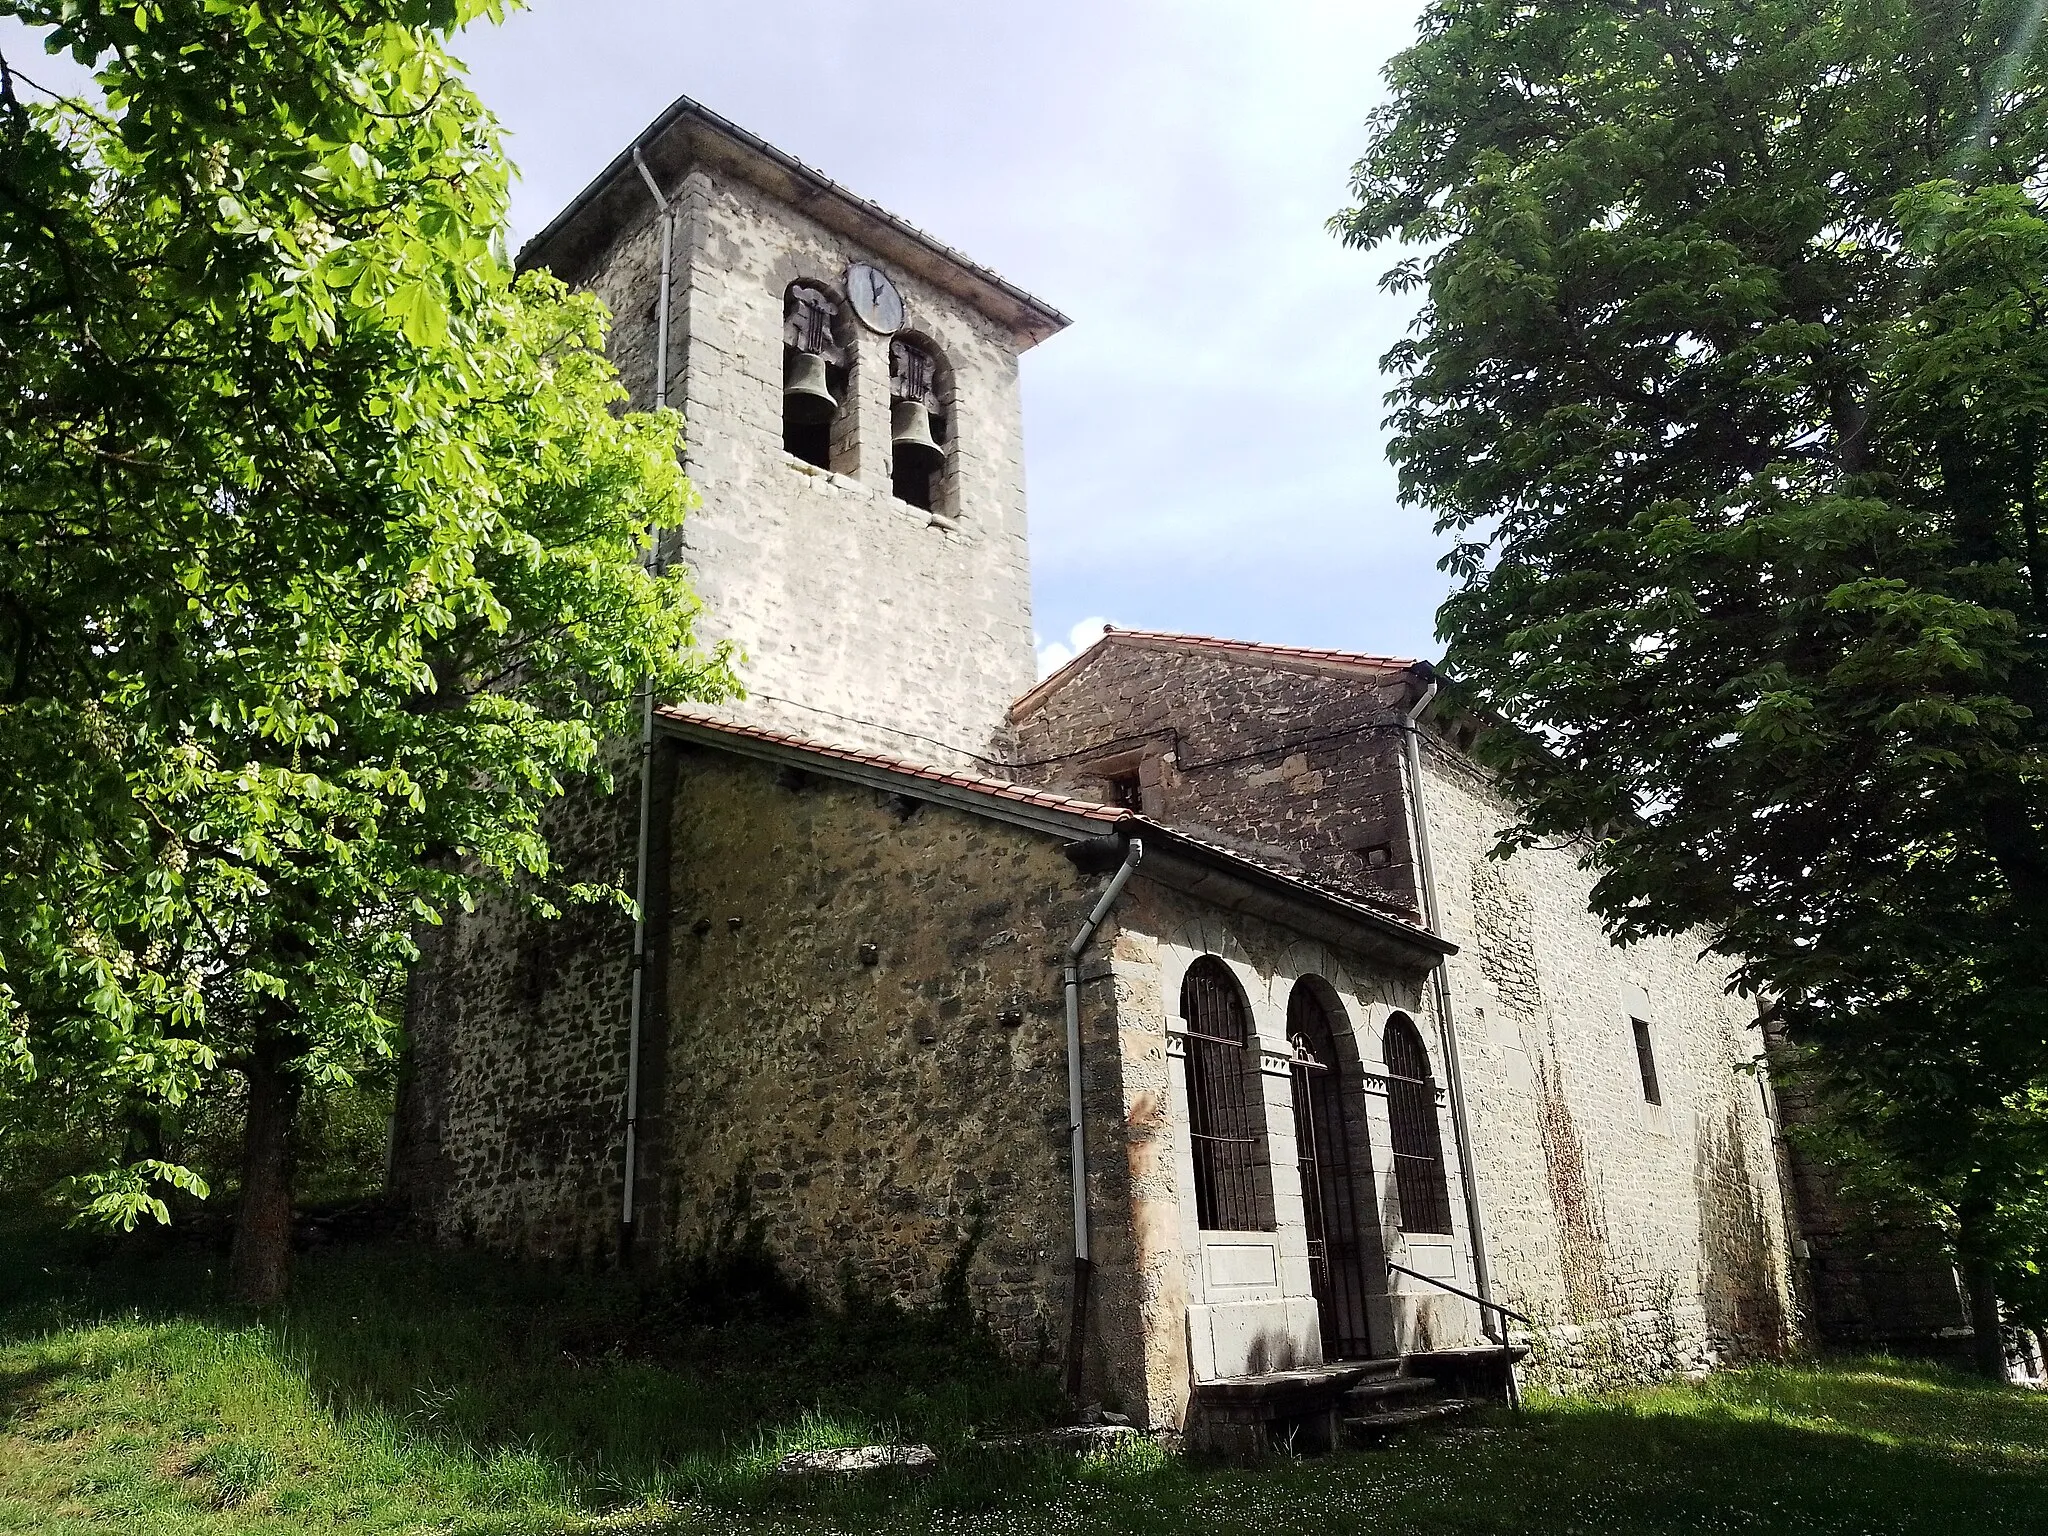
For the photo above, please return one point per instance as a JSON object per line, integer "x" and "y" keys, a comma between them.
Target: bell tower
{"x": 850, "y": 400}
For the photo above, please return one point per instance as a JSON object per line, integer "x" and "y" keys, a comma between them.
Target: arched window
{"x": 1418, "y": 1143}
{"x": 814, "y": 374}
{"x": 1222, "y": 1121}
{"x": 917, "y": 423}
{"x": 1324, "y": 1088}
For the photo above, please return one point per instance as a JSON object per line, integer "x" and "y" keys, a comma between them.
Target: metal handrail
{"x": 1507, "y": 1352}
{"x": 1444, "y": 1285}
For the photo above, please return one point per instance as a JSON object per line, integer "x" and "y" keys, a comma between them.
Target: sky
{"x": 1204, "y": 449}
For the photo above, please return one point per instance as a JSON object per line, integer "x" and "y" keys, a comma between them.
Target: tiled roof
{"x": 1293, "y": 873}
{"x": 1275, "y": 652}
{"x": 1375, "y": 909}
{"x": 814, "y": 189}
{"x": 1000, "y": 789}
{"x": 1249, "y": 650}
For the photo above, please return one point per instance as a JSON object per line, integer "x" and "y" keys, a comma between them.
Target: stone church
{"x": 1176, "y": 991}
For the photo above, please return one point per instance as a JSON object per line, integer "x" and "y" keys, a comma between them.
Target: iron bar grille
{"x": 913, "y": 374}
{"x": 1646, "y": 1062}
{"x": 1220, "y": 1123}
{"x": 1418, "y": 1142}
{"x": 808, "y": 316}
{"x": 1329, "y": 1191}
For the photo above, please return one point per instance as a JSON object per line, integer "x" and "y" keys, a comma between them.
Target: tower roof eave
{"x": 689, "y": 134}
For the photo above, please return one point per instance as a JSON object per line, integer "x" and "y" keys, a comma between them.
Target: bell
{"x": 806, "y": 396}
{"x": 910, "y": 431}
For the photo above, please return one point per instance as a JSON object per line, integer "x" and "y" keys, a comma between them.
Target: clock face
{"x": 875, "y": 301}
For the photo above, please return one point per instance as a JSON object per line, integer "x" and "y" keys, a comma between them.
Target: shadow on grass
{"x": 1764, "y": 1451}
{"x": 614, "y": 1386}
{"x": 1848, "y": 1448}
{"x": 486, "y": 1383}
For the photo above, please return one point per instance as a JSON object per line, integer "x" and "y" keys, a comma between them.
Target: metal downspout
{"x": 1077, "y": 1151}
{"x": 640, "y": 856}
{"x": 1432, "y": 913}
{"x": 668, "y": 252}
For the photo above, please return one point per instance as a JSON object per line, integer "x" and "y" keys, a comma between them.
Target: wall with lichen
{"x": 871, "y": 1100}
{"x": 1643, "y": 1238}
{"x": 855, "y": 1041}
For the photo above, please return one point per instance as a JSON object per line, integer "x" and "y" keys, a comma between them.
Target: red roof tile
{"x": 999, "y": 788}
{"x": 1387, "y": 916}
{"x": 1261, "y": 648}
{"x": 1253, "y": 650}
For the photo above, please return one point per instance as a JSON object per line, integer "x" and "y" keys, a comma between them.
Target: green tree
{"x": 321, "y": 558}
{"x": 1731, "y": 381}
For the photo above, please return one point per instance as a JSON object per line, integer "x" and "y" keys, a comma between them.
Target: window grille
{"x": 1220, "y": 1112}
{"x": 1418, "y": 1141}
{"x": 1329, "y": 1190}
{"x": 1646, "y": 1063}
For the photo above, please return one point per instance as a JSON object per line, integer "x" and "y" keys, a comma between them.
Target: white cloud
{"x": 1054, "y": 654}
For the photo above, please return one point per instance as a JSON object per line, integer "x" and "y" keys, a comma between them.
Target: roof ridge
{"x": 1358, "y": 902}
{"x": 1224, "y": 642}
{"x": 1006, "y": 789}
{"x": 685, "y": 111}
{"x": 1030, "y": 698}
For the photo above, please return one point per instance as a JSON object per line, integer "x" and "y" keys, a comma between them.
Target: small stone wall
{"x": 1876, "y": 1278}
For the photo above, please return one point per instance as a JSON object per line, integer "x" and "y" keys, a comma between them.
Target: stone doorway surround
{"x": 1251, "y": 1304}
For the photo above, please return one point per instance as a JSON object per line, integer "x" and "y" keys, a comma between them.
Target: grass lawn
{"x": 409, "y": 1391}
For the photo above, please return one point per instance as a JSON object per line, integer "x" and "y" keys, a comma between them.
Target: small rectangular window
{"x": 1124, "y": 790}
{"x": 1646, "y": 1059}
{"x": 1763, "y": 1088}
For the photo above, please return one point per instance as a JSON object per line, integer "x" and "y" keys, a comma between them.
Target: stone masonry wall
{"x": 871, "y": 1107}
{"x": 509, "y": 1117}
{"x": 1298, "y": 761}
{"x": 1160, "y": 1266}
{"x": 1643, "y": 1238}
{"x": 1877, "y": 1278}
{"x": 863, "y": 619}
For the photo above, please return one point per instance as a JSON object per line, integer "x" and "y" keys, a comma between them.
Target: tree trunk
{"x": 259, "y": 1268}
{"x": 1980, "y": 1281}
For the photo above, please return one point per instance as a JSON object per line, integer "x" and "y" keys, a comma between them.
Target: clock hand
{"x": 874, "y": 285}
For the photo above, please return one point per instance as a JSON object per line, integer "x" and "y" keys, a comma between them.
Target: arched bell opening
{"x": 816, "y": 374}
{"x": 920, "y": 423}
{"x": 1332, "y": 1148}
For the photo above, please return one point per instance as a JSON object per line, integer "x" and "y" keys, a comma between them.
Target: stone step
{"x": 1367, "y": 1426}
{"x": 1322, "y": 1383}
{"x": 1381, "y": 1395}
{"x": 1384, "y": 1365}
